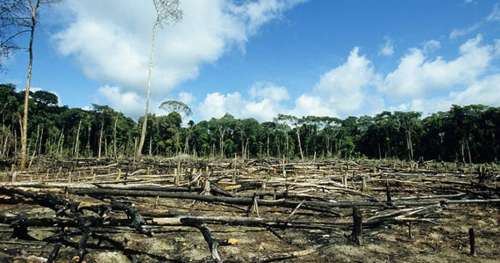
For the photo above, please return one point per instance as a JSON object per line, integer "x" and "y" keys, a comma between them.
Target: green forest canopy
{"x": 464, "y": 133}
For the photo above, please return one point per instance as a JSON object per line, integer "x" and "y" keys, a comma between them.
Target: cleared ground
{"x": 184, "y": 210}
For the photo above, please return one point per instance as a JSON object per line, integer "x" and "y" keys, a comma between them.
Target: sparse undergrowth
{"x": 253, "y": 211}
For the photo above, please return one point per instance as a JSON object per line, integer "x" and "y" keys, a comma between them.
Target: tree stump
{"x": 357, "y": 227}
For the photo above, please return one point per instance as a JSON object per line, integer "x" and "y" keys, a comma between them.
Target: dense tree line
{"x": 466, "y": 134}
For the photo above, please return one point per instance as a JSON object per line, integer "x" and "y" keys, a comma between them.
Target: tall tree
{"x": 296, "y": 123}
{"x": 22, "y": 17}
{"x": 177, "y": 106}
{"x": 183, "y": 109}
{"x": 167, "y": 11}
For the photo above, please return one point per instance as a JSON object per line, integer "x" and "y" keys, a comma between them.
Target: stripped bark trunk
{"x": 100, "y": 141}
{"x": 76, "y": 148}
{"x": 148, "y": 92}
{"x": 24, "y": 127}
{"x": 300, "y": 144}
{"x": 114, "y": 138}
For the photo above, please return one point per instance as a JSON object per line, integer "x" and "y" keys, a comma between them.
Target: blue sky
{"x": 264, "y": 57}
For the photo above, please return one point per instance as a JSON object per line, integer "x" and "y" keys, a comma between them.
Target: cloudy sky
{"x": 258, "y": 58}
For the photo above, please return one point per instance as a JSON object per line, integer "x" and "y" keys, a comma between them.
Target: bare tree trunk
{"x": 100, "y": 141}
{"x": 15, "y": 142}
{"x": 462, "y": 150}
{"x": 300, "y": 144}
{"x": 267, "y": 150}
{"x": 242, "y": 145}
{"x": 114, "y": 137}
{"x": 106, "y": 147}
{"x": 151, "y": 146}
{"x": 222, "y": 132}
{"x": 89, "y": 130}
{"x": 59, "y": 143}
{"x": 186, "y": 143}
{"x": 148, "y": 92}
{"x": 36, "y": 141}
{"x": 468, "y": 151}
{"x": 409, "y": 143}
{"x": 4, "y": 148}
{"x": 39, "y": 150}
{"x": 287, "y": 147}
{"x": 247, "y": 151}
{"x": 76, "y": 149}
{"x": 328, "y": 153}
{"x": 278, "y": 146}
{"x": 24, "y": 128}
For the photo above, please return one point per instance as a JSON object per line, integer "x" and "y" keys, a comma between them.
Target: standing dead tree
{"x": 167, "y": 11}
{"x": 22, "y": 17}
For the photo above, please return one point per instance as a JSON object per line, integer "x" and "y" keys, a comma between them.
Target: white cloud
{"x": 263, "y": 104}
{"x": 482, "y": 91}
{"x": 416, "y": 74}
{"x": 431, "y": 46}
{"x": 111, "y": 39}
{"x": 312, "y": 105}
{"x": 258, "y": 13}
{"x": 186, "y": 97}
{"x": 387, "y": 49}
{"x": 495, "y": 14}
{"x": 485, "y": 91}
{"x": 419, "y": 82}
{"x": 267, "y": 90}
{"x": 216, "y": 105}
{"x": 455, "y": 33}
{"x": 497, "y": 47}
{"x": 344, "y": 87}
{"x": 125, "y": 101}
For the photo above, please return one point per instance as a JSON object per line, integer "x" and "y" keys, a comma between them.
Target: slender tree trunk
{"x": 106, "y": 147}
{"x": 39, "y": 150}
{"x": 100, "y": 141}
{"x": 150, "y": 146}
{"x": 328, "y": 154}
{"x": 242, "y": 140}
{"x": 287, "y": 145}
{"x": 267, "y": 150}
{"x": 15, "y": 142}
{"x": 36, "y": 142}
{"x": 5, "y": 143}
{"x": 114, "y": 138}
{"x": 222, "y": 132}
{"x": 300, "y": 145}
{"x": 59, "y": 143}
{"x": 247, "y": 151}
{"x": 148, "y": 92}
{"x": 76, "y": 148}
{"x": 409, "y": 144}
{"x": 278, "y": 146}
{"x": 24, "y": 133}
{"x": 89, "y": 133}
{"x": 186, "y": 143}
{"x": 468, "y": 151}
{"x": 462, "y": 150}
